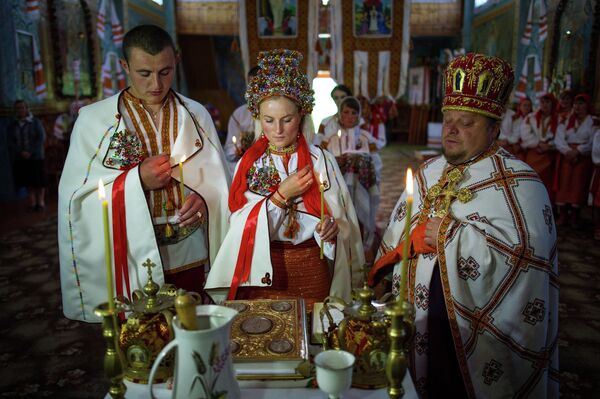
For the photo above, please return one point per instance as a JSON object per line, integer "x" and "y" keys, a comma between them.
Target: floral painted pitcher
{"x": 203, "y": 365}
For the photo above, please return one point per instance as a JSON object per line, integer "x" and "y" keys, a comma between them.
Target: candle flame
{"x": 101, "y": 192}
{"x": 183, "y": 158}
{"x": 409, "y": 182}
{"x": 339, "y": 133}
{"x": 234, "y": 139}
{"x": 321, "y": 178}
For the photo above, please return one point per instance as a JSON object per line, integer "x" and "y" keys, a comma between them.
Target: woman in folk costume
{"x": 537, "y": 140}
{"x": 510, "y": 130}
{"x": 482, "y": 269}
{"x": 273, "y": 244}
{"x": 356, "y": 153}
{"x": 574, "y": 170}
{"x": 565, "y": 105}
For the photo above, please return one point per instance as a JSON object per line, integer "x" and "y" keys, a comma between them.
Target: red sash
{"x": 120, "y": 235}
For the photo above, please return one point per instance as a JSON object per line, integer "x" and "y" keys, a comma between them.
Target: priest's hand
{"x": 193, "y": 211}
{"x": 328, "y": 230}
{"x": 431, "y": 231}
{"x": 155, "y": 172}
{"x": 296, "y": 184}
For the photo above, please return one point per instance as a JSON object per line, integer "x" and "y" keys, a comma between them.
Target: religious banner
{"x": 542, "y": 20}
{"x": 272, "y": 24}
{"x": 370, "y": 41}
{"x": 372, "y": 18}
{"x": 530, "y": 80}
{"x": 277, "y": 18}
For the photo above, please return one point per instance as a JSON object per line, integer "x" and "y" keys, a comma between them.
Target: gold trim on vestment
{"x": 456, "y": 337}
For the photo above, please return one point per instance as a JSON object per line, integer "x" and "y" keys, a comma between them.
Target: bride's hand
{"x": 328, "y": 230}
{"x": 296, "y": 184}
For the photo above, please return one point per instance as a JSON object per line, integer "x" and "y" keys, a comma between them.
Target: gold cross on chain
{"x": 448, "y": 193}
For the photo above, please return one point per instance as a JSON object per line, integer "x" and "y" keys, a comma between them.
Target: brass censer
{"x": 362, "y": 332}
{"x": 147, "y": 329}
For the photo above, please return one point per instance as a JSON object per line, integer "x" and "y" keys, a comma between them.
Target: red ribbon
{"x": 244, "y": 260}
{"x": 120, "y": 235}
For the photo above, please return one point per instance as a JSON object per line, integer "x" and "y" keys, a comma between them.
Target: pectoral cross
{"x": 448, "y": 193}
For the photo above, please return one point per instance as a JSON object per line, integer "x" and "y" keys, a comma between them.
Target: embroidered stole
{"x": 155, "y": 140}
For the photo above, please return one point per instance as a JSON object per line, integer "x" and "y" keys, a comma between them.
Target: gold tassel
{"x": 292, "y": 227}
{"x": 169, "y": 231}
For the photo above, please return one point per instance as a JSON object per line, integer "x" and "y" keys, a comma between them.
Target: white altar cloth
{"x": 140, "y": 391}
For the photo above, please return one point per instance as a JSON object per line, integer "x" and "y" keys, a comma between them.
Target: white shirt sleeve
{"x": 559, "y": 139}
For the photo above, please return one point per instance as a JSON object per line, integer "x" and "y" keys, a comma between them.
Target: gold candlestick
{"x": 113, "y": 358}
{"x": 400, "y": 334}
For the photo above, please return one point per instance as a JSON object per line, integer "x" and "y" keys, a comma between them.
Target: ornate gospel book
{"x": 269, "y": 339}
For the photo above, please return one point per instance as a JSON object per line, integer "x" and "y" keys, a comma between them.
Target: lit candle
{"x": 339, "y": 134}
{"x": 181, "y": 185}
{"x": 322, "y": 190}
{"x": 234, "y": 141}
{"x": 107, "y": 250}
{"x": 404, "y": 269}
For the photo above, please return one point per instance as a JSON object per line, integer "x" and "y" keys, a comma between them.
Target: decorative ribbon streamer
{"x": 120, "y": 235}
{"x": 38, "y": 69}
{"x": 244, "y": 260}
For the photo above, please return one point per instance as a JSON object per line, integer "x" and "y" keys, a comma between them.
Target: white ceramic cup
{"x": 334, "y": 372}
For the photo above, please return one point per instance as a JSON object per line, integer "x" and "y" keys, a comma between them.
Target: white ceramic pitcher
{"x": 203, "y": 365}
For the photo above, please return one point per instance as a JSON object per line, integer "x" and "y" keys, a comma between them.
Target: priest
{"x": 482, "y": 274}
{"x": 158, "y": 156}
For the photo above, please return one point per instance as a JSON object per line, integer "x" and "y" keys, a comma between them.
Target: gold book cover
{"x": 269, "y": 339}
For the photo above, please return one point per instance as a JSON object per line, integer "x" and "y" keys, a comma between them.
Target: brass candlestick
{"x": 113, "y": 362}
{"x": 400, "y": 333}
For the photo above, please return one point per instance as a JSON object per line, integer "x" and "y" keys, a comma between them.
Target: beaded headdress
{"x": 279, "y": 75}
{"x": 478, "y": 83}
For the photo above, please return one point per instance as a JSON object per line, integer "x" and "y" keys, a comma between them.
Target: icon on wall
{"x": 277, "y": 18}
{"x": 372, "y": 18}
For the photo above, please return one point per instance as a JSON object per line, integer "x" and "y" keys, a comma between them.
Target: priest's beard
{"x": 455, "y": 158}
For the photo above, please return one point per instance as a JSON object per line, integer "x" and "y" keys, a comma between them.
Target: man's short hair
{"x": 149, "y": 38}
{"x": 343, "y": 88}
{"x": 19, "y": 101}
